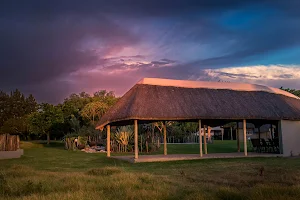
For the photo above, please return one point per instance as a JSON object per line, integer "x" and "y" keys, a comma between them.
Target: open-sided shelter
{"x": 210, "y": 104}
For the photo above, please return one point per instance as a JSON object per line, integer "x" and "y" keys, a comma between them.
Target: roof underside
{"x": 149, "y": 102}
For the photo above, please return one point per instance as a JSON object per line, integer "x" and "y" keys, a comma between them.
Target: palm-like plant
{"x": 123, "y": 136}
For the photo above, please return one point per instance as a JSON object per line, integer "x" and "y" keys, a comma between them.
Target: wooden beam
{"x": 245, "y": 137}
{"x": 165, "y": 137}
{"x": 204, "y": 137}
{"x": 200, "y": 139}
{"x": 108, "y": 141}
{"x": 136, "y": 145}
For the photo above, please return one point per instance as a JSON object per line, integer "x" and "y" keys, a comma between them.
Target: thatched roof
{"x": 164, "y": 99}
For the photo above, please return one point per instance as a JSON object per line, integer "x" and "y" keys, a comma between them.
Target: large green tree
{"x": 14, "y": 109}
{"x": 4, "y": 109}
{"x": 17, "y": 126}
{"x": 43, "y": 120}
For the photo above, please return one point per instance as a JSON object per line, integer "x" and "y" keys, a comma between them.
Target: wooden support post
{"x": 108, "y": 141}
{"x": 208, "y": 133}
{"x": 136, "y": 147}
{"x": 165, "y": 137}
{"x": 245, "y": 137}
{"x": 259, "y": 148}
{"x": 238, "y": 137}
{"x": 200, "y": 139}
{"x": 231, "y": 133}
{"x": 204, "y": 137}
{"x": 271, "y": 131}
{"x": 222, "y": 131}
{"x": 141, "y": 143}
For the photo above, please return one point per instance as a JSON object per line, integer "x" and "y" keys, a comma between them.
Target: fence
{"x": 9, "y": 142}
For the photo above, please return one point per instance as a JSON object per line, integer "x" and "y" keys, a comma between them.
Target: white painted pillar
{"x": 136, "y": 145}
{"x": 245, "y": 137}
{"x": 108, "y": 141}
{"x": 200, "y": 139}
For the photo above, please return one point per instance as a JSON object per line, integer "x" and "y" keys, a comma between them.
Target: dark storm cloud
{"x": 270, "y": 35}
{"x": 37, "y": 51}
{"x": 44, "y": 41}
{"x": 37, "y": 8}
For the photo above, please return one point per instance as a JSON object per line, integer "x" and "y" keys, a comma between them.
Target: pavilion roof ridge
{"x": 214, "y": 85}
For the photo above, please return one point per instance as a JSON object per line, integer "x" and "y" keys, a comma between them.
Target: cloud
{"x": 66, "y": 46}
{"x": 273, "y": 75}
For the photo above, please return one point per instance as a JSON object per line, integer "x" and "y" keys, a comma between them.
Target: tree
{"x": 106, "y": 97}
{"x": 14, "y": 109}
{"x": 16, "y": 126}
{"x": 30, "y": 104}
{"x": 41, "y": 121}
{"x": 293, "y": 91}
{"x": 4, "y": 109}
{"x": 94, "y": 110}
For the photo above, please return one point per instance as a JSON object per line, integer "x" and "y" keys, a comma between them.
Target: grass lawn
{"x": 226, "y": 146}
{"x": 50, "y": 172}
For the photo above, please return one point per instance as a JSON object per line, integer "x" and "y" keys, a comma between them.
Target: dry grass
{"x": 76, "y": 175}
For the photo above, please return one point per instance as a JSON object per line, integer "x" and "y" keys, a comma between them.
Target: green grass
{"x": 226, "y": 146}
{"x": 50, "y": 172}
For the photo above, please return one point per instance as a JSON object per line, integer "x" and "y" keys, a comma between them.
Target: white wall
{"x": 290, "y": 137}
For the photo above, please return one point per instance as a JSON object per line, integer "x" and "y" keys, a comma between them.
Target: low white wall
{"x": 11, "y": 154}
{"x": 290, "y": 137}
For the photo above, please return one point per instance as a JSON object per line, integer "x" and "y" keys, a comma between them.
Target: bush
{"x": 92, "y": 144}
{"x": 81, "y": 146}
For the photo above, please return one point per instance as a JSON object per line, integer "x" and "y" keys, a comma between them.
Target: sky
{"x": 53, "y": 48}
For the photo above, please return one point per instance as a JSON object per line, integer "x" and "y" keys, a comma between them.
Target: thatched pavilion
{"x": 210, "y": 104}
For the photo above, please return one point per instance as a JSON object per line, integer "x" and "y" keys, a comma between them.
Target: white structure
{"x": 290, "y": 137}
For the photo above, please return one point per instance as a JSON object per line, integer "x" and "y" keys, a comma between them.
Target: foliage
{"x": 94, "y": 110}
{"x": 124, "y": 135}
{"x": 77, "y": 114}
{"x": 16, "y": 126}
{"x": 41, "y": 121}
{"x": 15, "y": 106}
{"x": 293, "y": 91}
{"x": 108, "y": 98}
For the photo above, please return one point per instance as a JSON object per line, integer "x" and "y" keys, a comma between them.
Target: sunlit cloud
{"x": 272, "y": 75}
{"x": 271, "y": 72}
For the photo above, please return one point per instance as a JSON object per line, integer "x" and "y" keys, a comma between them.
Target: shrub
{"x": 81, "y": 146}
{"x": 92, "y": 144}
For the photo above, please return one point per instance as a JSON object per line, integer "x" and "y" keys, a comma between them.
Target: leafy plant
{"x": 123, "y": 135}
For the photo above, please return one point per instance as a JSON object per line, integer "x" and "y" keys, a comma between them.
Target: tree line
{"x": 78, "y": 113}
{"x": 293, "y": 91}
